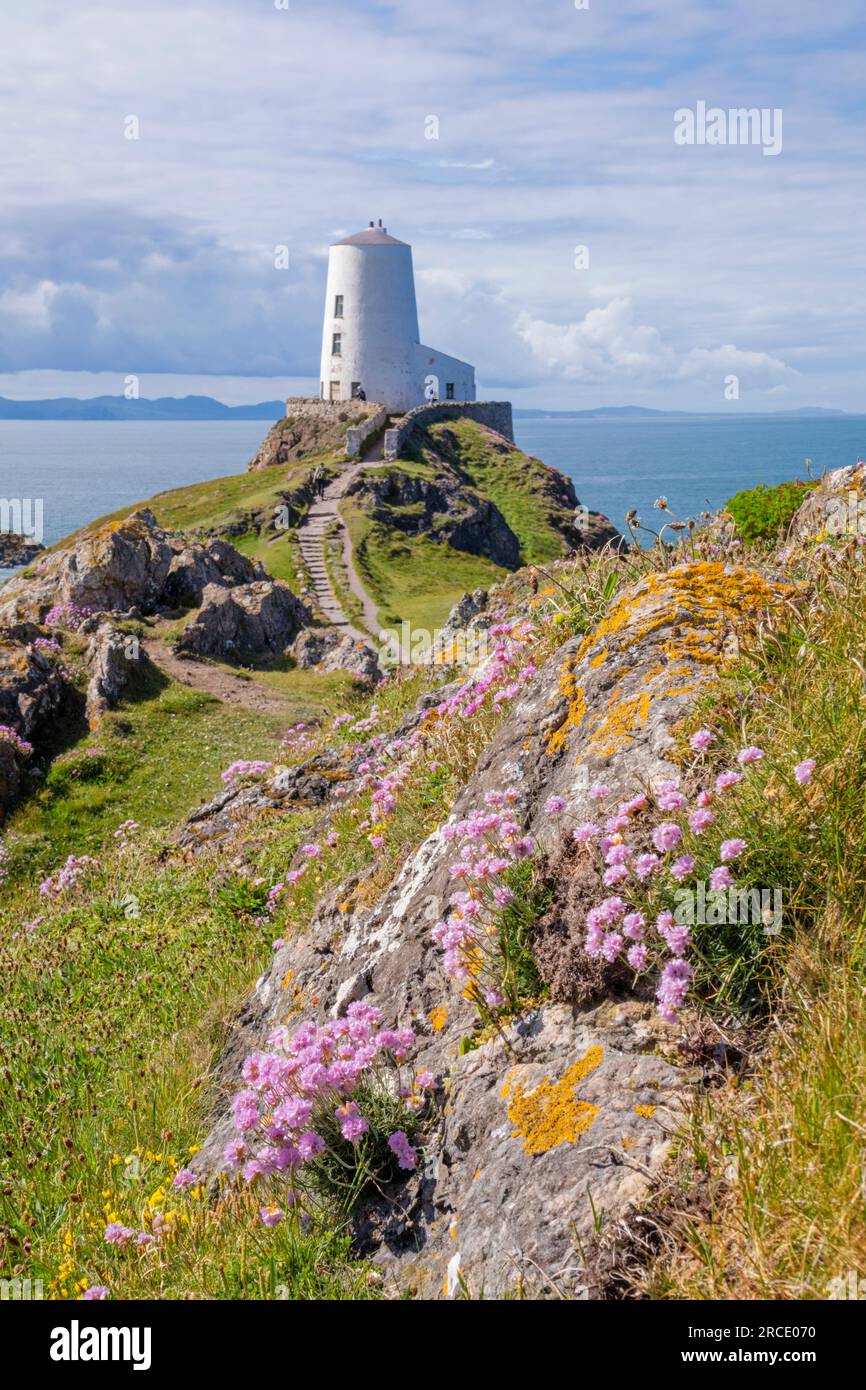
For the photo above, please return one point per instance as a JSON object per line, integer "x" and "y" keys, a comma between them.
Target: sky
{"x": 498, "y": 137}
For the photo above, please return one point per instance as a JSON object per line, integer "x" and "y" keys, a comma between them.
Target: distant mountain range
{"x": 206, "y": 408}
{"x": 119, "y": 408}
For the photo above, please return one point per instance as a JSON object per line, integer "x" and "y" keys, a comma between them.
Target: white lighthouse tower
{"x": 370, "y": 339}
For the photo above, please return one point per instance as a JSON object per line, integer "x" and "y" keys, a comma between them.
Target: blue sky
{"x": 262, "y": 126}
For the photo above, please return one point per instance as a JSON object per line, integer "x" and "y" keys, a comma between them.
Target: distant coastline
{"x": 118, "y": 408}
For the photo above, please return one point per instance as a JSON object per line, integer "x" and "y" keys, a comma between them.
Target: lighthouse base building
{"x": 371, "y": 345}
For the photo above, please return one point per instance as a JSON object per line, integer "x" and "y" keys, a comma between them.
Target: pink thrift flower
{"x": 614, "y": 875}
{"x": 272, "y": 1216}
{"x": 405, "y": 1154}
{"x": 804, "y": 771}
{"x": 749, "y": 755}
{"x": 666, "y": 836}
{"x": 721, "y": 878}
{"x": 700, "y": 820}
{"x": 185, "y": 1178}
{"x": 646, "y": 864}
{"x": 731, "y": 849}
{"x": 611, "y": 946}
{"x": 682, "y": 867}
{"x": 670, "y": 798}
{"x": 727, "y": 779}
{"x": 96, "y": 1293}
{"x": 554, "y": 805}
{"x": 310, "y": 1145}
{"x": 637, "y": 957}
{"x": 582, "y": 834}
{"x": 599, "y": 792}
{"x": 633, "y": 925}
{"x": 701, "y": 741}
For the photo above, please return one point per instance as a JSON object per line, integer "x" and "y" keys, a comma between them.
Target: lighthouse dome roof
{"x": 371, "y": 236}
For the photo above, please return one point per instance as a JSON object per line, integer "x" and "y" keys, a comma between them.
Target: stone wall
{"x": 496, "y": 415}
{"x": 348, "y": 413}
{"x": 357, "y": 434}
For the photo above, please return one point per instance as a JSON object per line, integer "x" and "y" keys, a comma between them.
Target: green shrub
{"x": 760, "y": 511}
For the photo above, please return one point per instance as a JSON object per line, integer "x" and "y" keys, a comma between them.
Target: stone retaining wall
{"x": 356, "y": 436}
{"x": 496, "y": 415}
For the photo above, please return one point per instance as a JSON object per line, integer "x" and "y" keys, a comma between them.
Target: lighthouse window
{"x": 338, "y": 307}
{"x": 337, "y": 344}
{"x": 449, "y": 390}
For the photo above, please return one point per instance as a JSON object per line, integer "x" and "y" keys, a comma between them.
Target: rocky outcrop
{"x": 259, "y": 618}
{"x": 835, "y": 509}
{"x": 17, "y": 550}
{"x": 125, "y": 564}
{"x": 323, "y": 649}
{"x": 572, "y": 1110}
{"x": 553, "y": 498}
{"x": 442, "y": 507}
{"x": 32, "y": 688}
{"x": 112, "y": 656}
{"x": 309, "y": 427}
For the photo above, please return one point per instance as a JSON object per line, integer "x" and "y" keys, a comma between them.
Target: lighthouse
{"x": 370, "y": 339}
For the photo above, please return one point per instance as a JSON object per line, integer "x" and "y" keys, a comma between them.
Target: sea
{"x": 84, "y": 469}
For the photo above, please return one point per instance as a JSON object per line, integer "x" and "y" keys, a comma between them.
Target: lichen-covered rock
{"x": 31, "y": 686}
{"x": 324, "y": 649}
{"x": 125, "y": 564}
{"x": 835, "y": 509}
{"x": 258, "y": 618}
{"x": 518, "y": 1140}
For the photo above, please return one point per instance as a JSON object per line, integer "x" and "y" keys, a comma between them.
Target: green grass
{"x": 213, "y": 503}
{"x": 411, "y": 578}
{"x": 158, "y": 755}
{"x": 516, "y": 483}
{"x": 793, "y": 1219}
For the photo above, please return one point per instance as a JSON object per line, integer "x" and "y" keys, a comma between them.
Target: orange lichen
{"x": 551, "y": 1114}
{"x": 646, "y": 1112}
{"x": 437, "y": 1019}
{"x": 698, "y": 606}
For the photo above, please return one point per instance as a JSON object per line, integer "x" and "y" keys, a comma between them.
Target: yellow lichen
{"x": 551, "y": 1114}
{"x": 437, "y": 1019}
{"x": 698, "y": 606}
{"x": 646, "y": 1112}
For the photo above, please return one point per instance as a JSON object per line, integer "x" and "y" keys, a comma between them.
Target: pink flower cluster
{"x": 472, "y": 695}
{"x": 618, "y": 927}
{"x": 243, "y": 768}
{"x": 10, "y": 735}
{"x": 488, "y": 843}
{"x": 308, "y": 1076}
{"x": 66, "y": 877}
{"x": 67, "y": 615}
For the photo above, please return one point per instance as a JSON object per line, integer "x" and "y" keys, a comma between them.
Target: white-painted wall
{"x": 380, "y": 345}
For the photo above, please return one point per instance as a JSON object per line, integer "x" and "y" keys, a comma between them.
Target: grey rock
{"x": 258, "y": 618}
{"x": 326, "y": 650}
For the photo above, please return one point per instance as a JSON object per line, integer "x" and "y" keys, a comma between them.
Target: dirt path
{"x": 212, "y": 680}
{"x": 311, "y": 538}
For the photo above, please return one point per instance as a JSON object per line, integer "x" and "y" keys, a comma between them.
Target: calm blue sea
{"x": 695, "y": 464}
{"x": 83, "y": 469}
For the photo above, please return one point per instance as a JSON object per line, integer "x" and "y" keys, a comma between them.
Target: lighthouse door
{"x": 335, "y": 391}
